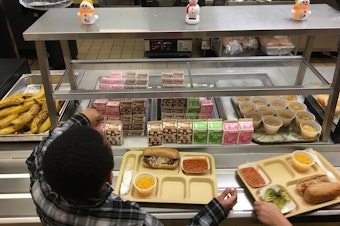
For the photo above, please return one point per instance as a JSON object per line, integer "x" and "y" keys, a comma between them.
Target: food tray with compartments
{"x": 31, "y": 83}
{"x": 173, "y": 185}
{"x": 279, "y": 172}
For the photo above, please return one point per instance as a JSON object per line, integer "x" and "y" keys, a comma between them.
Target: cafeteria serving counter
{"x": 17, "y": 206}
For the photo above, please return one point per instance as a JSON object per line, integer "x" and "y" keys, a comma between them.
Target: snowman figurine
{"x": 86, "y": 12}
{"x": 301, "y": 10}
{"x": 192, "y": 12}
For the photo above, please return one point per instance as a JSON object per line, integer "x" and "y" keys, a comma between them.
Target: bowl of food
{"x": 302, "y": 160}
{"x": 297, "y": 106}
{"x": 303, "y": 116}
{"x": 246, "y": 106}
{"x": 145, "y": 183}
{"x": 256, "y": 116}
{"x": 266, "y": 110}
{"x": 286, "y": 115}
{"x": 310, "y": 129}
{"x": 241, "y": 99}
{"x": 278, "y": 104}
{"x": 195, "y": 164}
{"x": 290, "y": 98}
{"x": 259, "y": 101}
{"x": 272, "y": 124}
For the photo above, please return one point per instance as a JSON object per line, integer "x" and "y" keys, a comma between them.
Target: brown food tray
{"x": 280, "y": 172}
{"x": 174, "y": 186}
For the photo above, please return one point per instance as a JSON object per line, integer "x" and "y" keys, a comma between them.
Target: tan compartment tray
{"x": 174, "y": 186}
{"x": 280, "y": 172}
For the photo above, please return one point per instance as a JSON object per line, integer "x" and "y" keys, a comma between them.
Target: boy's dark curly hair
{"x": 77, "y": 164}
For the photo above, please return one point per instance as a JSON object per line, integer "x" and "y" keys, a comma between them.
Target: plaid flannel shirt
{"x": 106, "y": 208}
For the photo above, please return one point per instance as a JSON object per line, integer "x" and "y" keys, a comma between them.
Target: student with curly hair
{"x": 71, "y": 177}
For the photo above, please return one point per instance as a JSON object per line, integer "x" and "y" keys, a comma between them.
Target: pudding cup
{"x": 246, "y": 106}
{"x": 310, "y": 129}
{"x": 302, "y": 161}
{"x": 240, "y": 99}
{"x": 297, "y": 106}
{"x": 259, "y": 101}
{"x": 286, "y": 116}
{"x": 256, "y": 116}
{"x": 145, "y": 183}
{"x": 301, "y": 116}
{"x": 278, "y": 104}
{"x": 290, "y": 98}
{"x": 272, "y": 124}
{"x": 266, "y": 111}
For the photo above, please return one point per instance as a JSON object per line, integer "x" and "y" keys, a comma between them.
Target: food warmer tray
{"x": 32, "y": 83}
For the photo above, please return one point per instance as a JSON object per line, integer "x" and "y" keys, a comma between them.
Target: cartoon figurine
{"x": 86, "y": 12}
{"x": 301, "y": 10}
{"x": 192, "y": 12}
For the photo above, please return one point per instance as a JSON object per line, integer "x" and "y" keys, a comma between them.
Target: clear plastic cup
{"x": 301, "y": 116}
{"x": 145, "y": 183}
{"x": 256, "y": 116}
{"x": 297, "y": 106}
{"x": 259, "y": 101}
{"x": 278, "y": 104}
{"x": 246, "y": 106}
{"x": 272, "y": 124}
{"x": 286, "y": 116}
{"x": 241, "y": 99}
{"x": 266, "y": 111}
{"x": 310, "y": 129}
{"x": 290, "y": 98}
{"x": 302, "y": 160}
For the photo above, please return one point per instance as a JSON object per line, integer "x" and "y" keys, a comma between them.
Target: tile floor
{"x": 134, "y": 49}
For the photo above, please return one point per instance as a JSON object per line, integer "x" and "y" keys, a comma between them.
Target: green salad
{"x": 279, "y": 198}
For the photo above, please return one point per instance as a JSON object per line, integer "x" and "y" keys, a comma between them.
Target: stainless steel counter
{"x": 17, "y": 206}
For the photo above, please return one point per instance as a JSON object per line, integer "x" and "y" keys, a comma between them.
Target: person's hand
{"x": 228, "y": 198}
{"x": 93, "y": 115}
{"x": 268, "y": 213}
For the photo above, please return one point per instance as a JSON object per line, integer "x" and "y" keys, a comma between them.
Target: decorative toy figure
{"x": 86, "y": 12}
{"x": 192, "y": 12}
{"x": 301, "y": 10}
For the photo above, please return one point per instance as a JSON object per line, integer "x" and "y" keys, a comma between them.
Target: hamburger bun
{"x": 160, "y": 158}
{"x": 322, "y": 192}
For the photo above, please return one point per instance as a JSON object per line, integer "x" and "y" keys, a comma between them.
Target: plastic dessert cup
{"x": 310, "y": 129}
{"x": 272, "y": 124}
{"x": 241, "y": 99}
{"x": 302, "y": 161}
{"x": 290, "y": 98}
{"x": 259, "y": 101}
{"x": 145, "y": 183}
{"x": 246, "y": 106}
{"x": 266, "y": 111}
{"x": 278, "y": 104}
{"x": 286, "y": 116}
{"x": 256, "y": 116}
{"x": 302, "y": 116}
{"x": 297, "y": 106}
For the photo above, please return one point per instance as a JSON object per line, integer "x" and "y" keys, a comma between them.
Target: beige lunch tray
{"x": 174, "y": 186}
{"x": 280, "y": 172}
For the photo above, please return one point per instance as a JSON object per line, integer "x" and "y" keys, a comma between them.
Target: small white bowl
{"x": 302, "y": 116}
{"x": 302, "y": 160}
{"x": 146, "y": 187}
{"x": 272, "y": 124}
{"x": 259, "y": 101}
{"x": 297, "y": 106}
{"x": 310, "y": 129}
{"x": 266, "y": 111}
{"x": 246, "y": 106}
{"x": 286, "y": 115}
{"x": 278, "y": 104}
{"x": 256, "y": 116}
